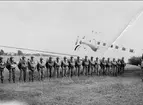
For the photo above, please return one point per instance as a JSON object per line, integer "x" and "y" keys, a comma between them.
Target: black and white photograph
{"x": 71, "y": 52}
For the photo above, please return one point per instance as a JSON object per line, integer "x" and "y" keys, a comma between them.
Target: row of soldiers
{"x": 60, "y": 68}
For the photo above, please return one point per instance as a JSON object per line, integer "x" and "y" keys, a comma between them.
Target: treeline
{"x": 20, "y": 53}
{"x": 135, "y": 60}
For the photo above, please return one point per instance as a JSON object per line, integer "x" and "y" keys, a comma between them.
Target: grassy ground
{"x": 104, "y": 90}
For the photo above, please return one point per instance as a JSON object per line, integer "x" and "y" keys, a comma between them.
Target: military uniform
{"x": 50, "y": 67}
{"x": 78, "y": 66}
{"x": 92, "y": 66}
{"x": 72, "y": 67}
{"x": 32, "y": 67}
{"x": 2, "y": 66}
{"x": 108, "y": 66}
{"x": 114, "y": 67}
{"x": 57, "y": 67}
{"x": 118, "y": 67}
{"x": 23, "y": 68}
{"x": 123, "y": 64}
{"x": 97, "y": 66}
{"x": 19, "y": 67}
{"x": 40, "y": 68}
{"x": 65, "y": 66}
{"x": 13, "y": 66}
{"x": 103, "y": 66}
{"x": 86, "y": 66}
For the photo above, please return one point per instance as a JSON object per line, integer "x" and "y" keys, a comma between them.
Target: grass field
{"x": 104, "y": 90}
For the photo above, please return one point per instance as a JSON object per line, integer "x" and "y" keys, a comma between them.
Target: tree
{"x": 19, "y": 52}
{"x": 135, "y": 60}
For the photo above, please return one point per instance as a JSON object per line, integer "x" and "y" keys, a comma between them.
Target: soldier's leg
{"x": 77, "y": 70}
{"x": 57, "y": 71}
{"x": 32, "y": 74}
{"x": 20, "y": 75}
{"x": 24, "y": 75}
{"x": 50, "y": 72}
{"x": 113, "y": 71}
{"x": 10, "y": 73}
{"x": 42, "y": 74}
{"x": 85, "y": 71}
{"x": 91, "y": 70}
{"x": 63, "y": 71}
{"x": 60, "y": 72}
{"x": 108, "y": 71}
{"x": 13, "y": 75}
{"x": 103, "y": 71}
{"x": 39, "y": 74}
{"x": 1, "y": 74}
{"x": 71, "y": 72}
{"x": 97, "y": 70}
{"x": 29, "y": 75}
{"x": 67, "y": 71}
{"x": 54, "y": 71}
{"x": 47, "y": 72}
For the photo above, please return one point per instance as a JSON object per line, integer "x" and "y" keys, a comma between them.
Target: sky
{"x": 54, "y": 26}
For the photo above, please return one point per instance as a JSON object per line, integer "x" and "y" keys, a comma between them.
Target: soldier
{"x": 40, "y": 68}
{"x": 8, "y": 68}
{"x": 57, "y": 66}
{"x": 2, "y": 66}
{"x": 23, "y": 68}
{"x": 78, "y": 65}
{"x": 114, "y": 67}
{"x": 103, "y": 65}
{"x": 86, "y": 66}
{"x": 92, "y": 66}
{"x": 19, "y": 67}
{"x": 108, "y": 66}
{"x": 118, "y": 66}
{"x": 65, "y": 66}
{"x": 50, "y": 66}
{"x": 97, "y": 65}
{"x": 123, "y": 64}
{"x": 72, "y": 67}
{"x": 32, "y": 67}
{"x": 13, "y": 66}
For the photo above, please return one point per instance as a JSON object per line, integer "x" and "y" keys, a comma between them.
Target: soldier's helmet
{"x": 23, "y": 57}
{"x": 32, "y": 57}
{"x": 96, "y": 57}
{"x": 65, "y": 57}
{"x": 57, "y": 58}
{"x": 41, "y": 58}
{"x": 78, "y": 57}
{"x": 50, "y": 57}
{"x": 86, "y": 57}
{"x": 11, "y": 58}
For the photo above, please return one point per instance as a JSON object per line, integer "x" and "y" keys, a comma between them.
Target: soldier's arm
{"x": 19, "y": 65}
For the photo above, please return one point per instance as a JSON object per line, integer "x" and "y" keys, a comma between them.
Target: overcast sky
{"x": 54, "y": 26}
